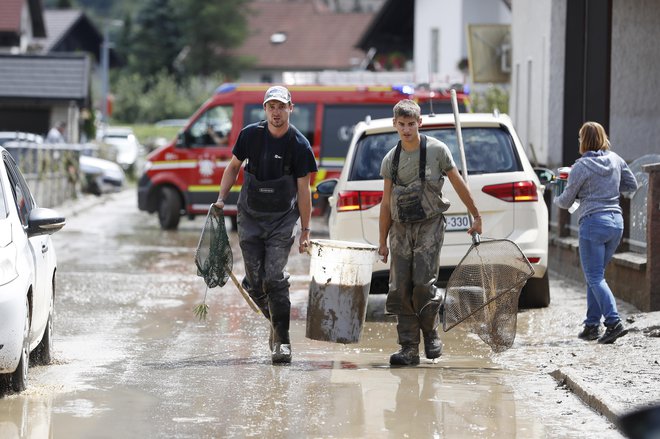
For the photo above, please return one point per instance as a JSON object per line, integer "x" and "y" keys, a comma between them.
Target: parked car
{"x": 27, "y": 278}
{"x": 128, "y": 148}
{"x": 101, "y": 176}
{"x": 504, "y": 185}
{"x": 19, "y": 136}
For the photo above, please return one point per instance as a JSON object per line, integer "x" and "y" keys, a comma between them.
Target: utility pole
{"x": 105, "y": 67}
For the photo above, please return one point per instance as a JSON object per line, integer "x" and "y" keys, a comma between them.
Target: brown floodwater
{"x": 132, "y": 361}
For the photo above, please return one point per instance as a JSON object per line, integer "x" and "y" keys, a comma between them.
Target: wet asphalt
{"x": 131, "y": 359}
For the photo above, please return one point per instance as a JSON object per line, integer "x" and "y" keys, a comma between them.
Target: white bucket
{"x": 338, "y": 294}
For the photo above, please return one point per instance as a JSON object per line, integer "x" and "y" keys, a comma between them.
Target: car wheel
{"x": 43, "y": 352}
{"x": 18, "y": 379}
{"x": 169, "y": 209}
{"x": 536, "y": 293}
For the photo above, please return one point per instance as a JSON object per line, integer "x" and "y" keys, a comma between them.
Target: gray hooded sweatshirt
{"x": 597, "y": 179}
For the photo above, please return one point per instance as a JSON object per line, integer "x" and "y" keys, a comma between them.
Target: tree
{"x": 210, "y": 30}
{"x": 156, "y": 40}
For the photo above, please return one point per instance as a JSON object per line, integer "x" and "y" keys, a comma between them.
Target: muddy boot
{"x": 432, "y": 345}
{"x": 429, "y": 321}
{"x": 261, "y": 302}
{"x": 280, "y": 310}
{"x": 408, "y": 355}
{"x": 281, "y": 353}
{"x": 408, "y": 329}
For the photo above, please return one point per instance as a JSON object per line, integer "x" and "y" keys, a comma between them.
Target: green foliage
{"x": 494, "y": 97}
{"x": 209, "y": 29}
{"x": 144, "y": 99}
{"x": 201, "y": 311}
{"x": 156, "y": 40}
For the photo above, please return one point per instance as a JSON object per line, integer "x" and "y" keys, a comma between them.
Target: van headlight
{"x": 8, "y": 264}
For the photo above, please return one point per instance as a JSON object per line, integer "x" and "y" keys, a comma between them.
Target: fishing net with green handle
{"x": 213, "y": 256}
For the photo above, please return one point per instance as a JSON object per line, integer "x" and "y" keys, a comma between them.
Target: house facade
{"x": 440, "y": 38}
{"x": 584, "y": 60}
{"x": 46, "y": 61}
{"x": 20, "y": 22}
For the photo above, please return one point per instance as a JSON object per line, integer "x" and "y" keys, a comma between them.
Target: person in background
{"x": 411, "y": 216}
{"x": 56, "y": 133}
{"x": 596, "y": 181}
{"x": 274, "y": 196}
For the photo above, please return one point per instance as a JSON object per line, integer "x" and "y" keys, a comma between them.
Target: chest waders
{"x": 267, "y": 215}
{"x": 416, "y": 237}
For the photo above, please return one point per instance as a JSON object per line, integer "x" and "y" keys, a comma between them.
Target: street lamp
{"x": 105, "y": 67}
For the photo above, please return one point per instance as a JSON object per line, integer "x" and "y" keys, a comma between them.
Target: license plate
{"x": 457, "y": 222}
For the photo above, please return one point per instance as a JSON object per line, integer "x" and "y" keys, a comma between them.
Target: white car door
{"x": 35, "y": 250}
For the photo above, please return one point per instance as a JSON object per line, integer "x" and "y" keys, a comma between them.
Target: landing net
{"x": 213, "y": 257}
{"x": 483, "y": 291}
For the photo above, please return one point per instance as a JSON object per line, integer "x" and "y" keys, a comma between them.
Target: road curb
{"x": 587, "y": 393}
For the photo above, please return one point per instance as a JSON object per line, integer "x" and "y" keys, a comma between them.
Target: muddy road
{"x": 132, "y": 361}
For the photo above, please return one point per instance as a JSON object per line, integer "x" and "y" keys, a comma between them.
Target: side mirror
{"x": 545, "y": 175}
{"x": 327, "y": 187}
{"x": 44, "y": 221}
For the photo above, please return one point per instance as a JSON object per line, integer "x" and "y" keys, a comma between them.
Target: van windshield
{"x": 487, "y": 150}
{"x": 302, "y": 118}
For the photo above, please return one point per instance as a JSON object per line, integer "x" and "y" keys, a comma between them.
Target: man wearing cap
{"x": 274, "y": 195}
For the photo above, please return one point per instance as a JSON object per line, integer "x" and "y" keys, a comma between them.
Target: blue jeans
{"x": 600, "y": 234}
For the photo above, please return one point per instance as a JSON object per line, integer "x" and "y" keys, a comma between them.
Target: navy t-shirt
{"x": 271, "y": 163}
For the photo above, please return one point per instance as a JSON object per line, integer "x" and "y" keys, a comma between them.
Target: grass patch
{"x": 147, "y": 132}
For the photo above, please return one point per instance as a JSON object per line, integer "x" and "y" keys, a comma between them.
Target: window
{"x": 487, "y": 151}
{"x": 339, "y": 122}
{"x": 212, "y": 127}
{"x": 435, "y": 51}
{"x": 20, "y": 191}
{"x": 302, "y": 118}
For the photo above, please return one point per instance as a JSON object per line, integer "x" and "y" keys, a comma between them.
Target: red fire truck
{"x": 183, "y": 178}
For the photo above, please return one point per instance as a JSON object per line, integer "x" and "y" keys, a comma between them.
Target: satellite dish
{"x": 489, "y": 52}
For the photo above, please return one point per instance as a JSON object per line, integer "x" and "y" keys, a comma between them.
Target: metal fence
{"x": 636, "y": 217}
{"x": 51, "y": 171}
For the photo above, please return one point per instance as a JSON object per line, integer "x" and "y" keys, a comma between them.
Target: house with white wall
{"x": 582, "y": 60}
{"x": 440, "y": 38}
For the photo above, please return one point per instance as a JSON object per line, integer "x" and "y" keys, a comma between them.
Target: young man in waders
{"x": 411, "y": 215}
{"x": 275, "y": 193}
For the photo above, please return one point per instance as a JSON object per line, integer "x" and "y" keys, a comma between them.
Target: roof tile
{"x": 45, "y": 77}
{"x": 10, "y": 15}
{"x": 315, "y": 37}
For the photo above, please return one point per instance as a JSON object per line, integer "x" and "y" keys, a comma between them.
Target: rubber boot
{"x": 407, "y": 328}
{"x": 280, "y": 310}
{"x": 261, "y": 302}
{"x": 428, "y": 322}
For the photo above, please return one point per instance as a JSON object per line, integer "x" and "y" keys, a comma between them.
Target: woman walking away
{"x": 596, "y": 181}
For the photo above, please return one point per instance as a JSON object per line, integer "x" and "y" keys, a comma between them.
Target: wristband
{"x": 305, "y": 229}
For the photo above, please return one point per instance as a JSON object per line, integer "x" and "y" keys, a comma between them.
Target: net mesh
{"x": 483, "y": 291}
{"x": 213, "y": 257}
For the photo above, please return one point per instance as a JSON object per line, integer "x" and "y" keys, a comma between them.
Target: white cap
{"x": 278, "y": 93}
